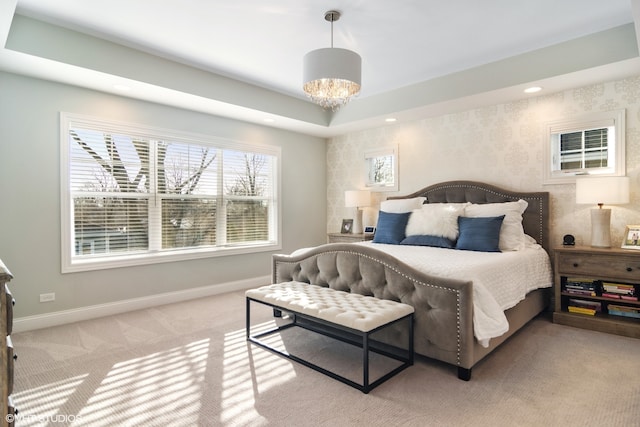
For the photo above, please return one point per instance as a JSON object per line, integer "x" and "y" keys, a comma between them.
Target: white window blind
{"x": 136, "y": 195}
{"x": 586, "y": 149}
{"x": 110, "y": 192}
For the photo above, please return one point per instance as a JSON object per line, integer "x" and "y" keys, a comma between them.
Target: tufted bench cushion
{"x": 363, "y": 313}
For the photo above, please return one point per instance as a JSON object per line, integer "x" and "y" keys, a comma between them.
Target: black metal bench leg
{"x": 411, "y": 341}
{"x": 365, "y": 363}
{"x": 247, "y": 317}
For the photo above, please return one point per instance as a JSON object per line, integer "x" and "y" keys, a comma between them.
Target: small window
{"x": 381, "y": 166}
{"x": 589, "y": 145}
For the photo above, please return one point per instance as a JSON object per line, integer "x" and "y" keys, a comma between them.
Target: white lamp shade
{"x": 357, "y": 198}
{"x": 332, "y": 63}
{"x": 608, "y": 190}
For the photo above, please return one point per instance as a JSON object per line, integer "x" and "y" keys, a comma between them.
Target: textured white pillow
{"x": 511, "y": 233}
{"x": 435, "y": 219}
{"x": 402, "y": 205}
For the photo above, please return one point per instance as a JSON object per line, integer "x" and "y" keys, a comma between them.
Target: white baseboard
{"x": 40, "y": 321}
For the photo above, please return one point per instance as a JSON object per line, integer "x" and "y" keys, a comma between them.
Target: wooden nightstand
{"x": 348, "y": 237}
{"x": 588, "y": 278}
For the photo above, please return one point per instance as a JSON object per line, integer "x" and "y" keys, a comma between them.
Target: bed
{"x": 434, "y": 278}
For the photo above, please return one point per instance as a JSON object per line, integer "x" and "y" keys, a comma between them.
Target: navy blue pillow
{"x": 479, "y": 234}
{"x": 391, "y": 227}
{"x": 427, "y": 240}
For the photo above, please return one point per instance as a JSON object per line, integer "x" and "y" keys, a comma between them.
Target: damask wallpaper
{"x": 500, "y": 144}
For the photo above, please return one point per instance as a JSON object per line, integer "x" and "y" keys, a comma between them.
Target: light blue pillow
{"x": 427, "y": 240}
{"x": 479, "y": 234}
{"x": 391, "y": 227}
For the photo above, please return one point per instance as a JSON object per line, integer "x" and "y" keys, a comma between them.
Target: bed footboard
{"x": 443, "y": 307}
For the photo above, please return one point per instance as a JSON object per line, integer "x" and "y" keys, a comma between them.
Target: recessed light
{"x": 122, "y": 88}
{"x": 390, "y": 119}
{"x": 533, "y": 89}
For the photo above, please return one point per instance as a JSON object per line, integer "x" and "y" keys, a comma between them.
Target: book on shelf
{"x": 579, "y": 286}
{"x": 591, "y": 305}
{"x": 579, "y": 280}
{"x": 623, "y": 310}
{"x": 618, "y": 288}
{"x": 581, "y": 292}
{"x": 618, "y": 285}
{"x": 619, "y": 296}
{"x": 581, "y": 310}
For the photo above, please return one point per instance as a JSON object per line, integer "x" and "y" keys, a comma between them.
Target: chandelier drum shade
{"x": 332, "y": 76}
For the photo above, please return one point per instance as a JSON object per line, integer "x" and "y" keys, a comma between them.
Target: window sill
{"x": 103, "y": 263}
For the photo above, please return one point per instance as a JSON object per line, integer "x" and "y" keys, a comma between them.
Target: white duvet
{"x": 500, "y": 279}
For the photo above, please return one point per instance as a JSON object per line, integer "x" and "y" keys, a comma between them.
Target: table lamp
{"x": 357, "y": 199}
{"x": 610, "y": 190}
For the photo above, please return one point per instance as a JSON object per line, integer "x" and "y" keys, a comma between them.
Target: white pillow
{"x": 511, "y": 233}
{"x": 402, "y": 205}
{"x": 435, "y": 219}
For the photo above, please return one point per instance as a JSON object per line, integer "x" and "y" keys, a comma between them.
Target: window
{"x": 590, "y": 145}
{"x": 381, "y": 167}
{"x": 134, "y": 195}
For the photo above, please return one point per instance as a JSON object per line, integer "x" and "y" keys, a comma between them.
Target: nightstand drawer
{"x": 618, "y": 267}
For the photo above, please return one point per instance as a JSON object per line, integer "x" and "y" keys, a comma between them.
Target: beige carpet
{"x": 188, "y": 364}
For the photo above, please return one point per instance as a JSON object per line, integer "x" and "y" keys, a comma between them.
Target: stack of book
{"x": 584, "y": 307}
{"x": 619, "y": 291}
{"x": 621, "y": 310}
{"x": 580, "y": 286}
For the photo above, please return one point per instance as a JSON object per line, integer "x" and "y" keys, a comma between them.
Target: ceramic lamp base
{"x": 357, "y": 222}
{"x": 601, "y": 228}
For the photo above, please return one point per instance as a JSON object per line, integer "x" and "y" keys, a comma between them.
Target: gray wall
{"x": 30, "y": 197}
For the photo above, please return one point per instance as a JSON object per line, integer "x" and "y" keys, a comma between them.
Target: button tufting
{"x": 356, "y": 311}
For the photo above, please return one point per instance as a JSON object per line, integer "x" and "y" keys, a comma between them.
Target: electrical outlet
{"x": 47, "y": 297}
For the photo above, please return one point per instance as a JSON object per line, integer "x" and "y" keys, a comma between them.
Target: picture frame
{"x": 631, "y": 238}
{"x": 347, "y": 226}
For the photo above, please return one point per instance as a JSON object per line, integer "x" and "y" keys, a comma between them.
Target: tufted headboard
{"x": 535, "y": 219}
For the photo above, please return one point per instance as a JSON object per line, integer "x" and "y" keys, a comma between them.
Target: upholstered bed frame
{"x": 443, "y": 307}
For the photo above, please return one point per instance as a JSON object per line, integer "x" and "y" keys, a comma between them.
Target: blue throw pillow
{"x": 479, "y": 234}
{"x": 391, "y": 227}
{"x": 427, "y": 240}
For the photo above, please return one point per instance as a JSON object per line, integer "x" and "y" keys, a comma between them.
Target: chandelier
{"x": 332, "y": 75}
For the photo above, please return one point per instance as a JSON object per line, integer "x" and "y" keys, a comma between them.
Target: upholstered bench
{"x": 351, "y": 318}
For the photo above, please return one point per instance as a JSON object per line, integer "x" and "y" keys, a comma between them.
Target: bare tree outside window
{"x": 247, "y": 212}
{"x": 186, "y": 221}
{"x": 114, "y": 168}
{"x": 382, "y": 169}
